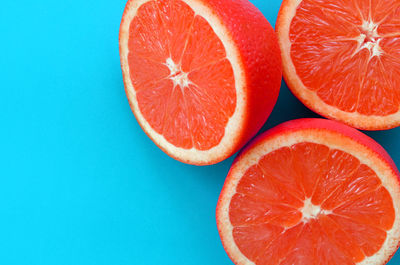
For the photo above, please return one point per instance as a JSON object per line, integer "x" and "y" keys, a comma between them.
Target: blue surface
{"x": 80, "y": 182}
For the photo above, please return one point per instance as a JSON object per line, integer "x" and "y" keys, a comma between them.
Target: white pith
{"x": 309, "y": 97}
{"x": 311, "y": 211}
{"x": 370, "y": 30}
{"x": 178, "y": 77}
{"x": 235, "y": 123}
{"x": 334, "y": 141}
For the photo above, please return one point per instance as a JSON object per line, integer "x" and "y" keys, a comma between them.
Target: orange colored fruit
{"x": 341, "y": 58}
{"x": 201, "y": 76}
{"x": 311, "y": 191}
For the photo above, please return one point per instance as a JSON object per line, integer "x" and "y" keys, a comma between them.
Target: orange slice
{"x": 311, "y": 191}
{"x": 201, "y": 76}
{"x": 341, "y": 58}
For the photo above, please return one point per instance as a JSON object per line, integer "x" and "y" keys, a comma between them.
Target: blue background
{"x": 80, "y": 183}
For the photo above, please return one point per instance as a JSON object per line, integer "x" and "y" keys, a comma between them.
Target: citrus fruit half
{"x": 311, "y": 191}
{"x": 341, "y": 58}
{"x": 201, "y": 76}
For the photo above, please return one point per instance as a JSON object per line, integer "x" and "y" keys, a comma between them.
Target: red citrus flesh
{"x": 197, "y": 116}
{"x": 342, "y": 58}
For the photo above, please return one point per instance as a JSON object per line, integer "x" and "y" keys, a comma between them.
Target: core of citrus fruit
{"x": 201, "y": 76}
{"x": 311, "y": 191}
{"x": 341, "y": 58}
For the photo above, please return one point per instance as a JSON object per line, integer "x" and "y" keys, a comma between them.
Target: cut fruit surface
{"x": 311, "y": 191}
{"x": 342, "y": 58}
{"x": 199, "y": 84}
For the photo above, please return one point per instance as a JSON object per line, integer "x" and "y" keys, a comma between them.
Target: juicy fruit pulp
{"x": 310, "y": 204}
{"x": 184, "y": 83}
{"x": 348, "y": 53}
{"x": 343, "y": 58}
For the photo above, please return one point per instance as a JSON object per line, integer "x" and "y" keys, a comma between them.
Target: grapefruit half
{"x": 341, "y": 58}
{"x": 311, "y": 191}
{"x": 201, "y": 76}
